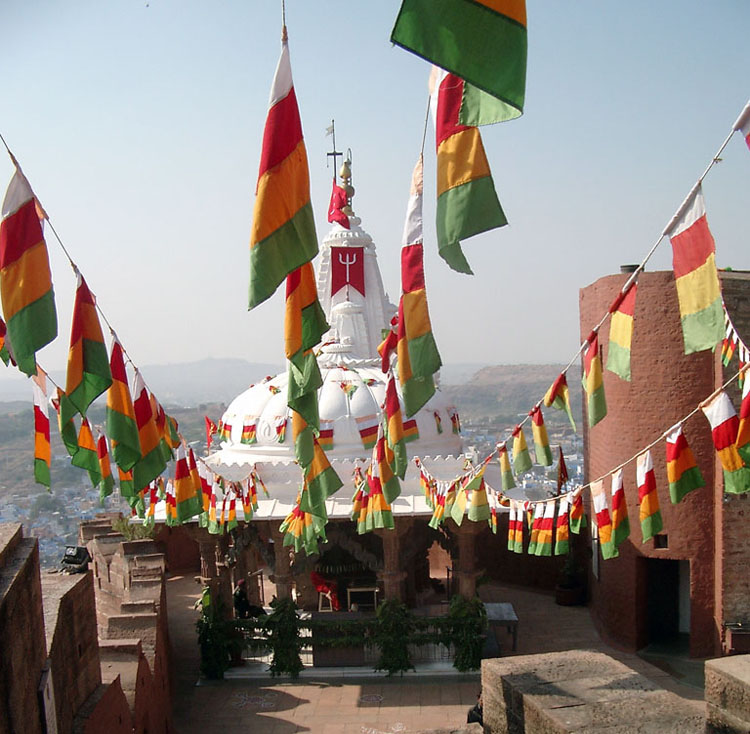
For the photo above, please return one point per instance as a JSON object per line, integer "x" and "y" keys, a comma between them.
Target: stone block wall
{"x": 728, "y": 694}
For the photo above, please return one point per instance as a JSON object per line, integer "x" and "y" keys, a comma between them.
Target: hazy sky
{"x": 139, "y": 126}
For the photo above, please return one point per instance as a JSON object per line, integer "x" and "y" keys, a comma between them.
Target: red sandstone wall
{"x": 666, "y": 385}
{"x": 182, "y": 552}
{"x": 109, "y": 715}
{"x": 21, "y": 631}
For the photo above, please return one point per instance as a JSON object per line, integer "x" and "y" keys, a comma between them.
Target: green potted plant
{"x": 392, "y": 634}
{"x": 570, "y": 590}
{"x": 467, "y": 629}
{"x": 282, "y": 626}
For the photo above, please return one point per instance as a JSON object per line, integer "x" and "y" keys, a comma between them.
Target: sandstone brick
{"x": 728, "y": 686}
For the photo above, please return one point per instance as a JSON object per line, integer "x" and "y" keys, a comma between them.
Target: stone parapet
{"x": 728, "y": 694}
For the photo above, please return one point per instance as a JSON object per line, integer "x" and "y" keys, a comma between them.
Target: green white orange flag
{"x": 106, "y": 483}
{"x": 620, "y": 520}
{"x": 506, "y": 473}
{"x": 121, "y": 424}
{"x": 25, "y": 278}
{"x": 88, "y": 364}
{"x": 683, "y": 474}
{"x": 283, "y": 232}
{"x": 482, "y": 41}
{"x": 558, "y": 397}
{"x": 542, "y": 448}
{"x": 87, "y": 457}
{"x": 724, "y": 430}
{"x": 621, "y": 332}
{"x": 694, "y": 264}
{"x": 562, "y": 529}
{"x": 593, "y": 381}
{"x": 603, "y": 520}
{"x": 467, "y": 202}
{"x": 648, "y": 500}
{"x": 394, "y": 431}
{"x": 521, "y": 457}
{"x": 152, "y": 462}
{"x": 42, "y": 452}
{"x": 418, "y": 357}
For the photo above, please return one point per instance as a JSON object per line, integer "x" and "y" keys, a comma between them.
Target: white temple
{"x": 350, "y": 289}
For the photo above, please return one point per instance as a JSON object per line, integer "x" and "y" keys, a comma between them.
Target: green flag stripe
{"x": 31, "y": 328}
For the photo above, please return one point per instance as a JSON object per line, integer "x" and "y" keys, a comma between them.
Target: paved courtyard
{"x": 374, "y": 705}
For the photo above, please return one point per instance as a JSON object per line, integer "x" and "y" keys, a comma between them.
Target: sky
{"x": 139, "y": 125}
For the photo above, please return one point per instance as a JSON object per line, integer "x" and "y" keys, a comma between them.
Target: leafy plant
{"x": 132, "y": 531}
{"x": 570, "y": 573}
{"x": 392, "y": 634}
{"x": 214, "y": 637}
{"x": 283, "y": 626}
{"x": 466, "y": 628}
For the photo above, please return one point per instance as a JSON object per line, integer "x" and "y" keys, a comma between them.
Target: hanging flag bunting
{"x": 603, "y": 520}
{"x": 387, "y": 478}
{"x": 743, "y": 124}
{"x": 648, "y": 499}
{"x": 280, "y": 428}
{"x": 521, "y": 457}
{"x": 302, "y": 530}
{"x": 121, "y": 422}
{"x": 211, "y": 429}
{"x": 4, "y": 354}
{"x": 542, "y": 448}
{"x": 86, "y": 457}
{"x": 224, "y": 430}
{"x": 536, "y": 525}
{"x": 683, "y": 474}
{"x": 562, "y": 530}
{"x": 25, "y": 278}
{"x": 187, "y": 500}
{"x": 476, "y": 494}
{"x": 562, "y": 471}
{"x": 411, "y": 431}
{"x": 378, "y": 508}
{"x": 171, "y": 505}
{"x": 127, "y": 490}
{"x": 347, "y": 269}
{"x": 89, "y": 374}
{"x": 283, "y": 232}
{"x": 467, "y": 202}
{"x": 106, "y": 483}
{"x": 152, "y": 462}
{"x": 249, "y": 427}
{"x": 577, "y": 514}
{"x": 150, "y": 518}
{"x": 348, "y": 388}
{"x": 515, "y": 528}
{"x": 593, "y": 381}
{"x": 338, "y": 202}
{"x": 455, "y": 420}
{"x": 543, "y": 545}
{"x": 508, "y": 482}
{"x": 724, "y": 432}
{"x": 438, "y": 421}
{"x": 325, "y": 437}
{"x": 620, "y": 520}
{"x": 729, "y": 345}
{"x": 394, "y": 430}
{"x": 320, "y": 479}
{"x": 418, "y": 357}
{"x": 558, "y": 397}
{"x": 368, "y": 430}
{"x": 457, "y": 508}
{"x": 621, "y": 332}
{"x": 742, "y": 442}
{"x": 42, "y": 452}
{"x": 694, "y": 264}
{"x": 206, "y": 481}
{"x": 482, "y": 41}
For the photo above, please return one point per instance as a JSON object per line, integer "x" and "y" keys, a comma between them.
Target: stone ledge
{"x": 728, "y": 692}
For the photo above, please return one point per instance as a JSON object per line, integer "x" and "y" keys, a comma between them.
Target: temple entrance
{"x": 663, "y": 600}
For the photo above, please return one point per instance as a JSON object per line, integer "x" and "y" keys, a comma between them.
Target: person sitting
{"x": 475, "y": 712}
{"x": 243, "y": 609}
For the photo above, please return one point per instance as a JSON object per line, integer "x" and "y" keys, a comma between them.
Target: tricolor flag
{"x": 482, "y": 41}
{"x": 121, "y": 423}
{"x": 418, "y": 357}
{"x": 724, "y": 432}
{"x": 506, "y": 473}
{"x": 25, "y": 278}
{"x": 249, "y": 426}
{"x": 302, "y": 530}
{"x": 536, "y": 525}
{"x": 683, "y": 474}
{"x": 89, "y": 374}
{"x": 515, "y": 528}
{"x": 541, "y": 440}
{"x": 558, "y": 397}
{"x": 521, "y": 457}
{"x": 4, "y": 353}
{"x": 152, "y": 461}
{"x": 620, "y": 520}
{"x": 394, "y": 431}
{"x": 577, "y": 514}
{"x": 106, "y": 483}
{"x": 378, "y": 513}
{"x": 648, "y": 499}
{"x": 621, "y": 332}
{"x": 478, "y": 508}
{"x": 411, "y": 430}
{"x": 280, "y": 427}
{"x": 320, "y": 479}
{"x": 743, "y": 124}
{"x": 338, "y": 201}
{"x": 543, "y": 545}
{"x": 455, "y": 420}
{"x": 742, "y": 442}
{"x": 562, "y": 471}
{"x": 283, "y": 233}
{"x": 187, "y": 500}
{"x": 127, "y": 490}
{"x": 438, "y": 421}
{"x": 467, "y": 202}
{"x": 42, "y": 453}
{"x": 367, "y": 426}
{"x": 325, "y": 437}
{"x": 593, "y": 381}
{"x": 603, "y": 520}
{"x": 86, "y": 457}
{"x": 387, "y": 478}
{"x": 694, "y": 264}
{"x": 562, "y": 529}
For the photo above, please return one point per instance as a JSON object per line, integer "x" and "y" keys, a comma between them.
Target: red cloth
{"x": 324, "y": 586}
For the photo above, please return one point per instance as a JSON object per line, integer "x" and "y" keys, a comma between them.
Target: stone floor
{"x": 373, "y": 705}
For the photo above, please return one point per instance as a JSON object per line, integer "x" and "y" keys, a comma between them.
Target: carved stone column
{"x": 208, "y": 559}
{"x": 282, "y": 575}
{"x": 466, "y": 571}
{"x": 392, "y": 574}
{"x": 224, "y": 573}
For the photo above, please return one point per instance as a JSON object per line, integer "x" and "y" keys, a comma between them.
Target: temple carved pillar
{"x": 466, "y": 571}
{"x": 208, "y": 559}
{"x": 282, "y": 575}
{"x": 392, "y": 574}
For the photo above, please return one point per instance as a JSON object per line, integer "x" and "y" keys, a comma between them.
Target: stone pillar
{"x": 392, "y": 574}
{"x": 282, "y": 575}
{"x": 466, "y": 571}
